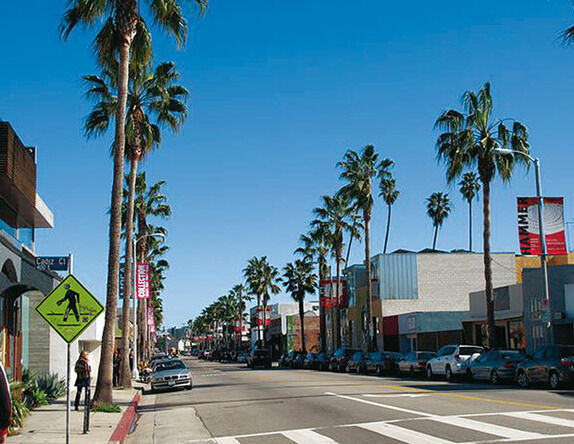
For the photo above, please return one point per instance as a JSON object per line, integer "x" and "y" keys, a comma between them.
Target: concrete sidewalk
{"x": 48, "y": 424}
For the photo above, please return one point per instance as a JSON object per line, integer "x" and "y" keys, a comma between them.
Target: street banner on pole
{"x": 69, "y": 309}
{"x": 122, "y": 280}
{"x": 143, "y": 280}
{"x": 528, "y": 227}
{"x": 151, "y": 319}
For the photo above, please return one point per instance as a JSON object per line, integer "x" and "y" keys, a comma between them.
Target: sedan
{"x": 311, "y": 361}
{"x": 357, "y": 363}
{"x": 382, "y": 363}
{"x": 323, "y": 360}
{"x": 552, "y": 365}
{"x": 171, "y": 373}
{"x": 415, "y": 363}
{"x": 496, "y": 365}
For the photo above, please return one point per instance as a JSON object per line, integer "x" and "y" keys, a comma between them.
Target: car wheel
{"x": 429, "y": 372}
{"x": 522, "y": 379}
{"x": 494, "y": 379}
{"x": 448, "y": 374}
{"x": 554, "y": 380}
{"x": 412, "y": 372}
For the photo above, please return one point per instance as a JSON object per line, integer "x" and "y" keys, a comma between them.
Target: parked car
{"x": 552, "y": 365}
{"x": 323, "y": 361}
{"x": 382, "y": 363}
{"x": 356, "y": 363}
{"x": 242, "y": 357}
{"x": 259, "y": 357}
{"x": 340, "y": 358}
{"x": 286, "y": 359}
{"x": 452, "y": 361}
{"x": 299, "y": 361}
{"x": 415, "y": 363}
{"x": 171, "y": 373}
{"x": 311, "y": 361}
{"x": 495, "y": 365}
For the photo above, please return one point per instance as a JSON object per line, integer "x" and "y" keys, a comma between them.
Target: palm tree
{"x": 150, "y": 96}
{"x": 123, "y": 25}
{"x": 238, "y": 293}
{"x": 315, "y": 248}
{"x": 389, "y": 193}
{"x": 262, "y": 279}
{"x": 336, "y": 217}
{"x": 358, "y": 171}
{"x": 438, "y": 209}
{"x": 471, "y": 139}
{"x": 469, "y": 187}
{"x": 299, "y": 280}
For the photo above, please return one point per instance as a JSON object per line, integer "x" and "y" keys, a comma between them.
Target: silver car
{"x": 171, "y": 374}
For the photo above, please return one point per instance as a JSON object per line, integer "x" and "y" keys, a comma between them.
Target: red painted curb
{"x": 123, "y": 427}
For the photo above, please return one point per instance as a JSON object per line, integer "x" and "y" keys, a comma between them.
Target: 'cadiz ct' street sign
{"x": 69, "y": 308}
{"x": 53, "y": 263}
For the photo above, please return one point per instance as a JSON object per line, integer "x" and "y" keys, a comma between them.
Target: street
{"x": 233, "y": 404}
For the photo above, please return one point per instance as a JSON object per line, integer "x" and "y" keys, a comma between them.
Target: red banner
{"x": 143, "y": 280}
{"x": 528, "y": 226}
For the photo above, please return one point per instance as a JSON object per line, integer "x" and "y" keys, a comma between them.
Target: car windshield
{"x": 169, "y": 365}
{"x": 469, "y": 351}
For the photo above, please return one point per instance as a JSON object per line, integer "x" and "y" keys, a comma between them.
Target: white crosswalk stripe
{"x": 491, "y": 429}
{"x": 402, "y": 434}
{"x": 226, "y": 441}
{"x": 541, "y": 418}
{"x": 307, "y": 437}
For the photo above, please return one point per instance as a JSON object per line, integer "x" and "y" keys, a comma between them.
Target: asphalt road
{"x": 231, "y": 404}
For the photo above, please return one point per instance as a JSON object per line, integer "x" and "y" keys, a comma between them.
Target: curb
{"x": 123, "y": 427}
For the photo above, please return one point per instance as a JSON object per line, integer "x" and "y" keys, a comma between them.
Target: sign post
{"x": 69, "y": 309}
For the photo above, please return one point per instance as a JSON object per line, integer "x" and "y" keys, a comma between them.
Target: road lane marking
{"x": 385, "y": 406}
{"x": 541, "y": 418}
{"x": 488, "y": 428}
{"x": 398, "y": 395}
{"x": 226, "y": 441}
{"x": 402, "y": 434}
{"x": 307, "y": 436}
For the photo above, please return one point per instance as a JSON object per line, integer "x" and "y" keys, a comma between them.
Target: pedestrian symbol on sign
{"x": 72, "y": 297}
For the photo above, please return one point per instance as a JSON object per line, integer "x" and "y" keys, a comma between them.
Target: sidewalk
{"x": 48, "y": 424}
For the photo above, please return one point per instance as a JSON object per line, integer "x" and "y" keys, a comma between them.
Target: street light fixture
{"x": 134, "y": 314}
{"x": 536, "y": 162}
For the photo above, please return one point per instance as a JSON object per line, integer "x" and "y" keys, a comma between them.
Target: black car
{"x": 356, "y": 363}
{"x": 299, "y": 361}
{"x": 415, "y": 363}
{"x": 340, "y": 358}
{"x": 259, "y": 357}
{"x": 552, "y": 365}
{"x": 311, "y": 361}
{"x": 382, "y": 363}
{"x": 287, "y": 359}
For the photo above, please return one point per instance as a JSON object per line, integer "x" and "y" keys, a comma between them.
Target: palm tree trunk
{"x": 470, "y": 225}
{"x": 350, "y": 240}
{"x": 257, "y": 321}
{"x": 337, "y": 293}
{"x": 103, "y": 393}
{"x": 265, "y": 298}
{"x": 388, "y": 229}
{"x": 302, "y": 319}
{"x": 371, "y": 345}
{"x": 125, "y": 371}
{"x": 322, "y": 320}
{"x": 490, "y": 328}
{"x": 240, "y": 319}
{"x": 434, "y": 237}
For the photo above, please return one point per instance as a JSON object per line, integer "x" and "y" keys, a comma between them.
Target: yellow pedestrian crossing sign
{"x": 69, "y": 309}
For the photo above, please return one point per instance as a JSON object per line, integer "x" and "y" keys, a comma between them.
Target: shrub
{"x": 107, "y": 408}
{"x": 53, "y": 386}
{"x": 19, "y": 408}
{"x": 34, "y": 396}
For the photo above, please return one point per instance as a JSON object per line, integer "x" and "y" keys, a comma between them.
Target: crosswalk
{"x": 555, "y": 425}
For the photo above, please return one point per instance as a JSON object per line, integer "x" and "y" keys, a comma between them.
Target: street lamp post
{"x": 134, "y": 296}
{"x": 536, "y": 162}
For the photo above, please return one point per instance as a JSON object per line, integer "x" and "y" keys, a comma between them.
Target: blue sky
{"x": 279, "y": 91}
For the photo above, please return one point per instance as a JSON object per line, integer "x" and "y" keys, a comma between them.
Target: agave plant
{"x": 53, "y": 386}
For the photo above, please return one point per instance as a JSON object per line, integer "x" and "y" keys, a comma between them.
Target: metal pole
{"x": 134, "y": 314}
{"x": 549, "y": 338}
{"x": 71, "y": 269}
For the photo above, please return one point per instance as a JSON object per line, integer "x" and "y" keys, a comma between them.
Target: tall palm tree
{"x": 336, "y": 217}
{"x": 299, "y": 280}
{"x": 315, "y": 247}
{"x": 470, "y": 139}
{"x": 151, "y": 97}
{"x": 469, "y": 187}
{"x": 438, "y": 209}
{"x": 122, "y": 23}
{"x": 262, "y": 279}
{"x": 389, "y": 193}
{"x": 359, "y": 170}
{"x": 239, "y": 294}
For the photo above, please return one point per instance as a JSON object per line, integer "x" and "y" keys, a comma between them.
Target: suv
{"x": 259, "y": 357}
{"x": 452, "y": 361}
{"x": 552, "y": 365}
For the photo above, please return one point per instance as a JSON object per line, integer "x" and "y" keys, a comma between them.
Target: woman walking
{"x": 83, "y": 379}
